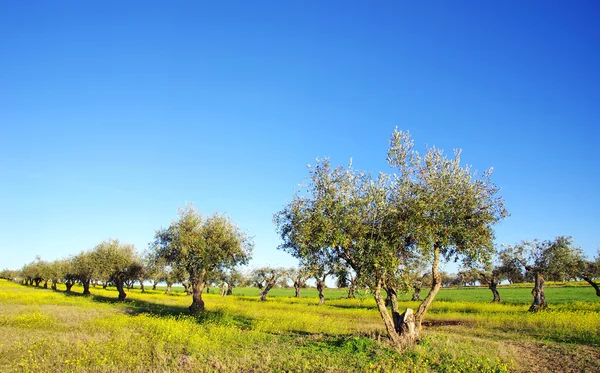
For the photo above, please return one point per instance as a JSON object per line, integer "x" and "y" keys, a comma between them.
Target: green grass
{"x": 46, "y": 331}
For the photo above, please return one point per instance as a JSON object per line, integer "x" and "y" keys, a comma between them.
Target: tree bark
{"x": 320, "y": 288}
{"x": 45, "y": 284}
{"x": 169, "y": 284}
{"x": 539, "y": 299}
{"x": 122, "y": 294}
{"x": 436, "y": 284}
{"x": 594, "y": 285}
{"x": 263, "y": 293}
{"x": 351, "y": 292}
{"x": 297, "y": 289}
{"x": 492, "y": 285}
{"x": 142, "y": 285}
{"x": 197, "y": 303}
{"x": 37, "y": 281}
{"x": 86, "y": 287}
{"x": 154, "y": 283}
{"x": 417, "y": 293}
{"x": 401, "y": 328}
{"x": 69, "y": 285}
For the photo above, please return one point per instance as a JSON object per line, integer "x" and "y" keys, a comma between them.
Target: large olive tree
{"x": 202, "y": 246}
{"x": 432, "y": 207}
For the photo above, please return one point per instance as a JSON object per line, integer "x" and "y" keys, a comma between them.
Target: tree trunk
{"x": 197, "y": 303}
{"x": 401, "y": 329}
{"x": 539, "y": 299}
{"x": 263, "y": 294}
{"x": 142, "y": 285}
{"x": 492, "y": 286}
{"x": 207, "y": 290}
{"x": 53, "y": 287}
{"x": 122, "y": 294}
{"x": 154, "y": 283}
{"x": 594, "y": 285}
{"x": 230, "y": 290}
{"x": 417, "y": 293}
{"x": 104, "y": 285}
{"x": 69, "y": 285}
{"x": 86, "y": 287}
{"x": 168, "y": 291}
{"x": 320, "y": 287}
{"x": 436, "y": 284}
{"x": 37, "y": 281}
{"x": 297, "y": 289}
{"x": 45, "y": 284}
{"x": 351, "y": 292}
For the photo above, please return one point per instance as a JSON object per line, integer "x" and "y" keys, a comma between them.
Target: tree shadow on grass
{"x": 135, "y": 307}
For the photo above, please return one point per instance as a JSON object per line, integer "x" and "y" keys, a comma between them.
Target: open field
{"x": 46, "y": 331}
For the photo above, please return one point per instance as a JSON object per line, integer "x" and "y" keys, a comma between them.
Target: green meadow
{"x": 51, "y": 331}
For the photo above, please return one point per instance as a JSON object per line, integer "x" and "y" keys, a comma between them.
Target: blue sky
{"x": 114, "y": 114}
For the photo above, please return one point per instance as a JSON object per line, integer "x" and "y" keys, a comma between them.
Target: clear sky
{"x": 115, "y": 113}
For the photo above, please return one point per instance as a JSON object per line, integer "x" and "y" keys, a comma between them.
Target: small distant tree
{"x": 201, "y": 247}
{"x": 85, "y": 269}
{"x": 266, "y": 278}
{"x": 299, "y": 277}
{"x": 232, "y": 278}
{"x": 557, "y": 259}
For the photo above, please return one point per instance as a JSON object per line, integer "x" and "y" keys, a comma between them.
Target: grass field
{"x": 46, "y": 331}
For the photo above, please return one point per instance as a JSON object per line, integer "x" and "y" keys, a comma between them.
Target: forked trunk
{"x": 320, "y": 288}
{"x": 69, "y": 285}
{"x": 401, "y": 328}
{"x": 86, "y": 287}
{"x": 197, "y": 303}
{"x": 122, "y": 294}
{"x": 594, "y": 285}
{"x": 539, "y": 299}
{"x": 37, "y": 281}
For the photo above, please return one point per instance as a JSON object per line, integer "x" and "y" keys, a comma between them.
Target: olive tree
{"x": 117, "y": 263}
{"x": 266, "y": 278}
{"x": 299, "y": 277}
{"x": 556, "y": 259}
{"x": 432, "y": 206}
{"x": 202, "y": 246}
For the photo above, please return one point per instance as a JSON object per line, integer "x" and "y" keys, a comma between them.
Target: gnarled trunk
{"x": 197, "y": 287}
{"x": 539, "y": 299}
{"x": 351, "y": 292}
{"x": 401, "y": 328}
{"x": 297, "y": 289}
{"x": 86, "y": 287}
{"x": 37, "y": 281}
{"x": 122, "y": 294}
{"x": 417, "y": 293}
{"x": 263, "y": 293}
{"x": 594, "y": 285}
{"x": 69, "y": 285}
{"x": 493, "y": 284}
{"x": 320, "y": 288}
